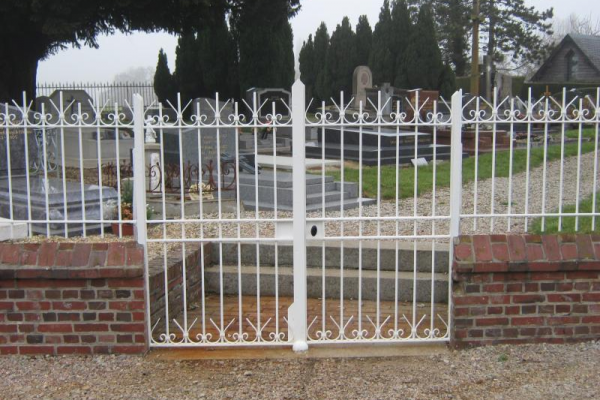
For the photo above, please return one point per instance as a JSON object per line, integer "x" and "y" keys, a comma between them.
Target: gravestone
{"x": 45, "y": 199}
{"x": 362, "y": 80}
{"x": 372, "y": 146}
{"x": 281, "y": 98}
{"x": 71, "y": 101}
{"x": 87, "y": 154}
{"x": 503, "y": 83}
{"x": 194, "y": 157}
{"x": 13, "y": 139}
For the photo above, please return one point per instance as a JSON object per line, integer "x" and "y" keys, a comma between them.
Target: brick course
{"x": 72, "y": 298}
{"x": 526, "y": 289}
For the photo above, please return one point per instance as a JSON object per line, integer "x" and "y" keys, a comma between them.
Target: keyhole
{"x": 313, "y": 231}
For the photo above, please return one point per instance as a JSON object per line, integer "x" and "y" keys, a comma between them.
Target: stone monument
{"x": 13, "y": 139}
{"x": 204, "y": 155}
{"x": 362, "y": 80}
{"x": 281, "y": 98}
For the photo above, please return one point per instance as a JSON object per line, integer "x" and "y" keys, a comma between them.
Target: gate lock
{"x": 313, "y": 230}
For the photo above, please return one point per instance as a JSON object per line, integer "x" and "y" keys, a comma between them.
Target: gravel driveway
{"x": 503, "y": 372}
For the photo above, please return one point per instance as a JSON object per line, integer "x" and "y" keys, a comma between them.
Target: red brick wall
{"x": 66, "y": 298}
{"x": 526, "y": 289}
{"x": 156, "y": 271}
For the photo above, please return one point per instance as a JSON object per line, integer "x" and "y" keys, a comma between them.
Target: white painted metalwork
{"x": 43, "y": 190}
{"x": 223, "y": 271}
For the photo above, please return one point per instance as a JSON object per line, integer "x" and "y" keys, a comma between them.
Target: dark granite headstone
{"x": 280, "y": 97}
{"x": 208, "y": 136}
{"x": 205, "y": 155}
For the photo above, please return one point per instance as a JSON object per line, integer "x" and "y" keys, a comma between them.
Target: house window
{"x": 572, "y": 66}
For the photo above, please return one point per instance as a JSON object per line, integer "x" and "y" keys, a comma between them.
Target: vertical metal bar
{"x": 238, "y": 215}
{"x": 118, "y": 167}
{"x": 44, "y": 161}
{"x": 276, "y": 217}
{"x": 342, "y": 176}
{"x": 164, "y": 225}
{"x": 378, "y": 258}
{"x": 455, "y": 186}
{"x": 477, "y": 120}
{"x": 360, "y": 217}
{"x": 417, "y": 118}
{"x": 256, "y": 122}
{"x": 9, "y": 173}
{"x": 323, "y": 214}
{"x": 139, "y": 209}
{"x": 494, "y": 134}
{"x": 64, "y": 175}
{"x": 182, "y": 204}
{"x": 25, "y": 117}
{"x": 433, "y": 213}
{"x": 528, "y": 159}
{"x": 594, "y": 192}
{"x": 510, "y": 160}
{"x": 456, "y": 165}
{"x": 578, "y": 183}
{"x": 297, "y": 313}
{"x": 82, "y": 171}
{"x": 562, "y": 157}
{"x": 397, "y": 199}
{"x": 98, "y": 118}
{"x": 139, "y": 176}
{"x": 544, "y": 177}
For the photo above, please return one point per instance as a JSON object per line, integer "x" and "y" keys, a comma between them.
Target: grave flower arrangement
{"x": 127, "y": 210}
{"x": 202, "y": 189}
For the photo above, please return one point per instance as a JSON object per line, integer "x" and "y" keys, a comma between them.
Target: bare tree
{"x": 135, "y": 74}
{"x": 584, "y": 25}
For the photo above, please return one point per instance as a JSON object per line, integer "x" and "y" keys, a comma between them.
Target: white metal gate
{"x": 247, "y": 267}
{"x": 339, "y": 238}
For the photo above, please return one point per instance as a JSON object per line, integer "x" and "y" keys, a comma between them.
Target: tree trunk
{"x": 492, "y": 31}
{"x": 18, "y": 74}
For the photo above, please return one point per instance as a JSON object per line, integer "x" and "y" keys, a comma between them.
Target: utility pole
{"x": 475, "y": 50}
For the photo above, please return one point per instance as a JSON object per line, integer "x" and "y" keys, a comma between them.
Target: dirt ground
{"x": 503, "y": 372}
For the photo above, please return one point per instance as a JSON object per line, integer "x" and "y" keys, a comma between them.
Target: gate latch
{"x": 313, "y": 230}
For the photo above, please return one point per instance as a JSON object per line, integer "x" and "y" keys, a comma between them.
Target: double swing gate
{"x": 293, "y": 224}
{"x": 293, "y": 249}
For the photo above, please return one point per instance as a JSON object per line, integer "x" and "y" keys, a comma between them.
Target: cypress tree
{"x": 382, "y": 60}
{"x": 164, "y": 84}
{"x": 341, "y": 59}
{"x": 308, "y": 74}
{"x": 423, "y": 59}
{"x": 216, "y": 60}
{"x": 447, "y": 83}
{"x": 187, "y": 71}
{"x": 402, "y": 28}
{"x": 265, "y": 44}
{"x": 322, "y": 90}
{"x": 364, "y": 40}
{"x": 288, "y": 60}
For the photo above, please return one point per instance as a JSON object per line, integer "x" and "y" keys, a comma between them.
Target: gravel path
{"x": 442, "y": 204}
{"x": 503, "y": 372}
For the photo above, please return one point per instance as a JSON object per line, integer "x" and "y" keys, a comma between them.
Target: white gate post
{"x": 297, "y": 313}
{"x": 139, "y": 170}
{"x": 456, "y": 164}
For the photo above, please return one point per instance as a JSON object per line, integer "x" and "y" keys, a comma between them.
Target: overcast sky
{"x": 119, "y": 52}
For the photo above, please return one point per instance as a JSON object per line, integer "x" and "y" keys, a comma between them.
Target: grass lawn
{"x": 568, "y": 223}
{"x": 588, "y": 133}
{"x": 425, "y": 174}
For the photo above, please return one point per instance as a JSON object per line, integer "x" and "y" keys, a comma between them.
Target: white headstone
{"x": 362, "y": 80}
